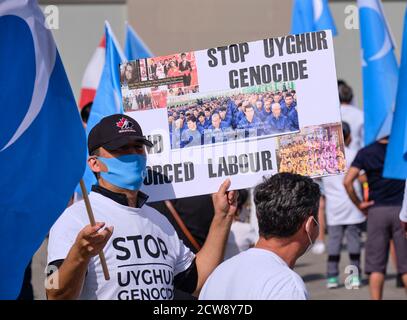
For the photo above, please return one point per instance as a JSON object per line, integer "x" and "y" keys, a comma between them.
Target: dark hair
{"x": 283, "y": 202}
{"x": 288, "y": 95}
{"x": 345, "y": 130}
{"x": 241, "y": 200}
{"x": 248, "y": 106}
{"x": 345, "y": 93}
{"x": 191, "y": 118}
{"x": 86, "y": 111}
{"x": 342, "y": 82}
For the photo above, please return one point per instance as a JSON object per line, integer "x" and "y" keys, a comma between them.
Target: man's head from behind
{"x": 345, "y": 93}
{"x": 287, "y": 208}
{"x": 346, "y": 133}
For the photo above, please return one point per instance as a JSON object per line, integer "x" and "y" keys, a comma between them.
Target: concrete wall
{"x": 81, "y": 27}
{"x": 181, "y": 25}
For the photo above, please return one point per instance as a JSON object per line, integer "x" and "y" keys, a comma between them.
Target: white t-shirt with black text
{"x": 143, "y": 255}
{"x": 255, "y": 274}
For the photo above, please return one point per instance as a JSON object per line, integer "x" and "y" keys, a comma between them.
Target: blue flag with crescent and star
{"x": 42, "y": 140}
{"x": 310, "y": 16}
{"x": 108, "y": 98}
{"x": 379, "y": 69}
{"x": 134, "y": 47}
{"x": 395, "y": 165}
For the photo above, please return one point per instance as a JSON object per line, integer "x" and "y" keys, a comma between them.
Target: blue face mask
{"x": 127, "y": 172}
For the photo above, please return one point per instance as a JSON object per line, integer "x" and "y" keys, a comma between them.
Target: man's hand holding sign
{"x": 251, "y": 109}
{"x": 111, "y": 150}
{"x": 211, "y": 254}
{"x": 235, "y": 115}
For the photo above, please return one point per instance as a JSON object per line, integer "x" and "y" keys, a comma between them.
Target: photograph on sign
{"x": 316, "y": 151}
{"x": 231, "y": 115}
{"x": 241, "y": 111}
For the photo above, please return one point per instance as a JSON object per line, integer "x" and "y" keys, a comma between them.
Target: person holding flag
{"x": 144, "y": 254}
{"x": 42, "y": 145}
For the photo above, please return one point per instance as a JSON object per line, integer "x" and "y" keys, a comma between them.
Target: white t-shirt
{"x": 403, "y": 212}
{"x": 340, "y": 209}
{"x": 143, "y": 255}
{"x": 255, "y": 274}
{"x": 242, "y": 236}
{"x": 354, "y": 117}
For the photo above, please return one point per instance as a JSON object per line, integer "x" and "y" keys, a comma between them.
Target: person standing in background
{"x": 403, "y": 212}
{"x": 342, "y": 217}
{"x": 352, "y": 115}
{"x": 383, "y": 208}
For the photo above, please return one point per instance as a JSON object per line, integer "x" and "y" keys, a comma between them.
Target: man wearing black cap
{"x": 145, "y": 257}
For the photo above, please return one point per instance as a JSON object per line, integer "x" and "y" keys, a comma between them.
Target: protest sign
{"x": 240, "y": 111}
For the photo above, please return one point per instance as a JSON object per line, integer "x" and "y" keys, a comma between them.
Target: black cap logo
{"x": 125, "y": 125}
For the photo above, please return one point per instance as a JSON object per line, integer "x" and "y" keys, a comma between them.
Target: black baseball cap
{"x": 115, "y": 131}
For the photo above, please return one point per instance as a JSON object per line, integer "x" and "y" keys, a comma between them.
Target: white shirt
{"x": 143, "y": 255}
{"x": 354, "y": 117}
{"x": 340, "y": 209}
{"x": 255, "y": 274}
{"x": 403, "y": 212}
{"x": 242, "y": 236}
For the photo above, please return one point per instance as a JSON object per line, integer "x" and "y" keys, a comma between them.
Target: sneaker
{"x": 399, "y": 281}
{"x": 318, "y": 247}
{"x": 332, "y": 282}
{"x": 355, "y": 282}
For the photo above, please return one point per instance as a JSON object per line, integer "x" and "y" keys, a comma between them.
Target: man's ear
{"x": 308, "y": 224}
{"x": 96, "y": 165}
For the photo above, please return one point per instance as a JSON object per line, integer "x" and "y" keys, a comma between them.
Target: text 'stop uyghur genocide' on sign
{"x": 240, "y": 111}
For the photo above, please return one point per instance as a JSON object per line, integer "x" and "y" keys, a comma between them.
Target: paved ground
{"x": 311, "y": 267}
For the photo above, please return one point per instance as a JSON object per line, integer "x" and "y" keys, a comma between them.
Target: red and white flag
{"x": 91, "y": 78}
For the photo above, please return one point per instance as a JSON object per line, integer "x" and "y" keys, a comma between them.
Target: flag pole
{"x": 92, "y": 223}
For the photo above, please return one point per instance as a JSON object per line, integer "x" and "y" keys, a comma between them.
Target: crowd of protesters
{"x": 286, "y": 206}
